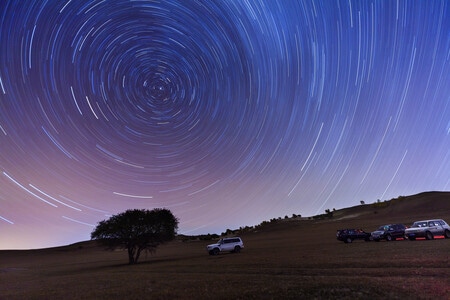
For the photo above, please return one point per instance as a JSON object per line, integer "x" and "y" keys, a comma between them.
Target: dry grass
{"x": 292, "y": 259}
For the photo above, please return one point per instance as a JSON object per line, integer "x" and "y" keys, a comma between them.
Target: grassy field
{"x": 287, "y": 259}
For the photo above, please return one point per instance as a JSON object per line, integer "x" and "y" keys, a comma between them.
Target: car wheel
{"x": 429, "y": 235}
{"x": 389, "y": 238}
{"x": 348, "y": 240}
{"x": 237, "y": 249}
{"x": 447, "y": 234}
{"x": 215, "y": 251}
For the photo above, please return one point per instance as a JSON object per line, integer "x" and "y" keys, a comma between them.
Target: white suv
{"x": 428, "y": 229}
{"x": 234, "y": 244}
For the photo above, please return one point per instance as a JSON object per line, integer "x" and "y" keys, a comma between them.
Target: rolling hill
{"x": 289, "y": 258}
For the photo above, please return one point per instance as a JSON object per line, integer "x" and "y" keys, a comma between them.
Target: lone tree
{"x": 137, "y": 230}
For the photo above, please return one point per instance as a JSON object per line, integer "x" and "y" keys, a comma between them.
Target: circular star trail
{"x": 228, "y": 113}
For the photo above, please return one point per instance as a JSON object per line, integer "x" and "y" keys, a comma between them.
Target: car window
{"x": 420, "y": 224}
{"x": 229, "y": 241}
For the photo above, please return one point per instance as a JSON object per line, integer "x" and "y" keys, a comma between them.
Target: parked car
{"x": 428, "y": 229}
{"x": 234, "y": 244}
{"x": 349, "y": 235}
{"x": 389, "y": 232}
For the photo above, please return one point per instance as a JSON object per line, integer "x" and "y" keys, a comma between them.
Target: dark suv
{"x": 388, "y": 232}
{"x": 349, "y": 235}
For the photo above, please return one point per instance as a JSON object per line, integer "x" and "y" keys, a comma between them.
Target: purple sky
{"x": 228, "y": 113}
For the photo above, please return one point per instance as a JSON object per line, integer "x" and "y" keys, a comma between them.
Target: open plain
{"x": 290, "y": 258}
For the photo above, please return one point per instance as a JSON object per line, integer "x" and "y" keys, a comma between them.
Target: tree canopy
{"x": 137, "y": 230}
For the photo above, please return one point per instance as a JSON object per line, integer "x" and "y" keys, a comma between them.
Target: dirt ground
{"x": 287, "y": 259}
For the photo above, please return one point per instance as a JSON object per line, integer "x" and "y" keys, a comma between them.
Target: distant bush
{"x": 208, "y": 237}
{"x": 327, "y": 215}
{"x": 379, "y": 204}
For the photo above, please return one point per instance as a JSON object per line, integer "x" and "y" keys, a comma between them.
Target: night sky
{"x": 226, "y": 112}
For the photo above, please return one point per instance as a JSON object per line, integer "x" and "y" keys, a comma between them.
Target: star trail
{"x": 228, "y": 112}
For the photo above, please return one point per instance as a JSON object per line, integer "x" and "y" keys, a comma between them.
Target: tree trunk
{"x": 138, "y": 253}
{"x": 131, "y": 259}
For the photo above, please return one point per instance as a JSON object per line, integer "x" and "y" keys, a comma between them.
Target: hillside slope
{"x": 295, "y": 258}
{"x": 402, "y": 209}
